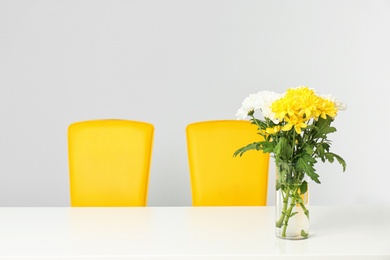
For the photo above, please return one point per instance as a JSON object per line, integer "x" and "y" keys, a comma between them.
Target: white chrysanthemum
{"x": 269, "y": 97}
{"x": 340, "y": 105}
{"x": 241, "y": 114}
{"x": 250, "y": 103}
{"x": 260, "y": 101}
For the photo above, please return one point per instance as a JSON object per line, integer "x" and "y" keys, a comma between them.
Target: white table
{"x": 189, "y": 233}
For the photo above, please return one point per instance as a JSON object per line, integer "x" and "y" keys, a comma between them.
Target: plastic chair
{"x": 218, "y": 178}
{"x": 109, "y": 162}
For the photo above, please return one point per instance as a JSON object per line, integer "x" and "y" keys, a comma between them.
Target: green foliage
{"x": 283, "y": 149}
{"x": 305, "y": 164}
{"x": 304, "y": 234}
{"x": 252, "y": 146}
{"x": 303, "y": 187}
{"x": 322, "y": 128}
{"x": 299, "y": 150}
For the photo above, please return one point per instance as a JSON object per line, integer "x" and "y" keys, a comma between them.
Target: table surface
{"x": 189, "y": 233}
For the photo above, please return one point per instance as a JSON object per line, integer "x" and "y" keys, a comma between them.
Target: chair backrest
{"x": 109, "y": 162}
{"x": 218, "y": 178}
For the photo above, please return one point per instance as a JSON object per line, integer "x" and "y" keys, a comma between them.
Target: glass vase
{"x": 292, "y": 202}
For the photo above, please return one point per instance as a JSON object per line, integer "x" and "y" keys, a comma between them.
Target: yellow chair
{"x": 109, "y": 162}
{"x": 218, "y": 178}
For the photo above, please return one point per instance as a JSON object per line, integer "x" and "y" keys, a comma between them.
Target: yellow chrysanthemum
{"x": 299, "y": 105}
{"x": 273, "y": 130}
{"x": 327, "y": 108}
{"x": 295, "y": 122}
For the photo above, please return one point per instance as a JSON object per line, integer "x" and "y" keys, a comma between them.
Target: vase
{"x": 291, "y": 202}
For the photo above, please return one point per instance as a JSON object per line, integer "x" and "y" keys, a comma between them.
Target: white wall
{"x": 173, "y": 62}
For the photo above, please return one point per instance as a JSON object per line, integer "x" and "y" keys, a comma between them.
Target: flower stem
{"x": 288, "y": 215}
{"x": 279, "y": 223}
{"x": 254, "y": 120}
{"x": 304, "y": 209}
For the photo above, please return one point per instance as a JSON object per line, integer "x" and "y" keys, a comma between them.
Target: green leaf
{"x": 278, "y": 185}
{"x": 283, "y": 148}
{"x": 320, "y": 151}
{"x": 303, "y": 187}
{"x": 308, "y": 158}
{"x": 330, "y": 157}
{"x": 326, "y": 146}
{"x": 267, "y": 147}
{"x": 308, "y": 149}
{"x": 304, "y": 234}
{"x": 282, "y": 173}
{"x": 323, "y": 127}
{"x": 307, "y": 167}
{"x": 241, "y": 151}
{"x": 264, "y": 146}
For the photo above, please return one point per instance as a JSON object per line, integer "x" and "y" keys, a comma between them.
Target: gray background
{"x": 173, "y": 62}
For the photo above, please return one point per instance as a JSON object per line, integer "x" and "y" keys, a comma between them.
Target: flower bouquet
{"x": 295, "y": 128}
